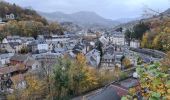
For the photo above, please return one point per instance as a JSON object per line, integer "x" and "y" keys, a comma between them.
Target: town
{"x": 106, "y": 53}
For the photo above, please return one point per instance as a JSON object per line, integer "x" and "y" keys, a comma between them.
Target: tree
{"x": 117, "y": 73}
{"x": 55, "y": 28}
{"x": 165, "y": 62}
{"x": 34, "y": 89}
{"x": 140, "y": 29}
{"x": 126, "y": 62}
{"x": 61, "y": 77}
{"x": 20, "y": 13}
{"x": 154, "y": 83}
{"x": 156, "y": 43}
{"x": 99, "y": 48}
{"x": 83, "y": 76}
{"x": 128, "y": 36}
{"x": 23, "y": 28}
{"x": 73, "y": 77}
{"x": 24, "y": 50}
{"x": 144, "y": 42}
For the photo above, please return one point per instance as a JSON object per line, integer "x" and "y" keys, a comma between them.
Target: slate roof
{"x": 39, "y": 41}
{"x": 78, "y": 48}
{"x": 112, "y": 92}
{"x": 30, "y": 62}
{"x": 13, "y": 44}
{"x": 10, "y": 69}
{"x": 6, "y": 55}
{"x": 19, "y": 57}
{"x": 59, "y": 49}
{"x": 128, "y": 83}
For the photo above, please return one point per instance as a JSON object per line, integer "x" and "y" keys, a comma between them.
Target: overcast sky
{"x": 113, "y": 9}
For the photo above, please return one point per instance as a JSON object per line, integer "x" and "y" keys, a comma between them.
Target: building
{"x": 39, "y": 46}
{"x": 57, "y": 40}
{"x": 10, "y": 16}
{"x": 117, "y": 39}
{"x": 27, "y": 40}
{"x": 104, "y": 40}
{"x": 5, "y": 58}
{"x": 79, "y": 48}
{"x": 6, "y": 48}
{"x": 18, "y": 59}
{"x": 32, "y": 64}
{"x": 18, "y": 39}
{"x": 7, "y": 74}
{"x": 10, "y": 39}
{"x": 26, "y": 60}
{"x": 135, "y": 44}
{"x": 93, "y": 57}
{"x": 16, "y": 46}
{"x": 112, "y": 55}
{"x": 47, "y": 56}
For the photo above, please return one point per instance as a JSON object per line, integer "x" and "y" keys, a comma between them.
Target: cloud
{"x": 108, "y": 8}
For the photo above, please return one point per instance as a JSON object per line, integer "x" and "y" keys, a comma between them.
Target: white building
{"x": 103, "y": 40}
{"x": 57, "y": 41}
{"x": 135, "y": 44}
{"x": 39, "y": 46}
{"x": 117, "y": 39}
{"x": 10, "y": 39}
{"x": 93, "y": 57}
{"x": 10, "y": 16}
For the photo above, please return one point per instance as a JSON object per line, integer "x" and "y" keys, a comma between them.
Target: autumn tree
{"x": 117, "y": 72}
{"x": 83, "y": 76}
{"x": 126, "y": 62}
{"x": 73, "y": 77}
{"x": 144, "y": 42}
{"x": 34, "y": 89}
{"x": 140, "y": 29}
{"x": 165, "y": 62}
{"x": 61, "y": 78}
{"x": 55, "y": 28}
{"x": 156, "y": 42}
{"x": 24, "y": 50}
{"x": 154, "y": 83}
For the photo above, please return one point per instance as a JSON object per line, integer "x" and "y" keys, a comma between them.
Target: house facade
{"x": 112, "y": 55}
{"x": 5, "y": 58}
{"x": 93, "y": 57}
{"x": 39, "y": 46}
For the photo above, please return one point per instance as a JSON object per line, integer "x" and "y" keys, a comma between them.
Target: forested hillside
{"x": 159, "y": 35}
{"x": 20, "y": 13}
{"x": 153, "y": 33}
{"x": 26, "y": 22}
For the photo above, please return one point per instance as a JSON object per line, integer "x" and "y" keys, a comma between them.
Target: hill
{"x": 25, "y": 22}
{"x": 157, "y": 36}
{"x": 71, "y": 27}
{"x": 83, "y": 18}
{"x": 166, "y": 11}
{"x": 20, "y": 14}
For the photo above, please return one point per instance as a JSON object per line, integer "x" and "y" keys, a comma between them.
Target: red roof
{"x": 10, "y": 69}
{"x": 121, "y": 91}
